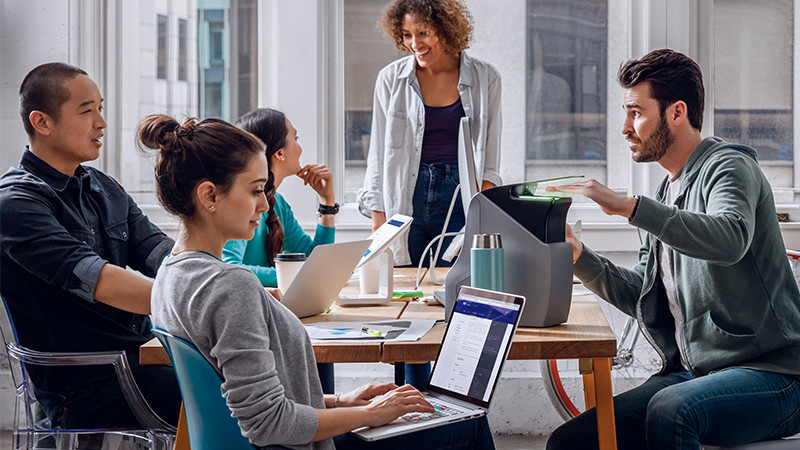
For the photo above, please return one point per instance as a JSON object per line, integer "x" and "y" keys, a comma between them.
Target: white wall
{"x": 28, "y": 37}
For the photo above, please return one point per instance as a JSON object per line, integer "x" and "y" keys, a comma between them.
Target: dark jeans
{"x": 436, "y": 184}
{"x": 327, "y": 377}
{"x": 100, "y": 404}
{"x": 468, "y": 434}
{"x": 676, "y": 411}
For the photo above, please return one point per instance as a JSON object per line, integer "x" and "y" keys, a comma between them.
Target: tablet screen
{"x": 384, "y": 236}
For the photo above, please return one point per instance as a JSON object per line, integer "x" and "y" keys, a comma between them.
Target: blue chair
{"x": 32, "y": 429}
{"x": 211, "y": 425}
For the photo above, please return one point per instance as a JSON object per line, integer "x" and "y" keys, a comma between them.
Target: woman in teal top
{"x": 253, "y": 253}
{"x": 278, "y": 230}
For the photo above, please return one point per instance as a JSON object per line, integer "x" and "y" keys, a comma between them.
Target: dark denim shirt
{"x": 56, "y": 234}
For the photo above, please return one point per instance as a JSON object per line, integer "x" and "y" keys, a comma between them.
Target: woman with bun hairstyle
{"x": 213, "y": 176}
{"x": 412, "y": 166}
{"x": 278, "y": 229}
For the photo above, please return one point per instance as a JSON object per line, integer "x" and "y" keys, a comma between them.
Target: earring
{"x": 211, "y": 208}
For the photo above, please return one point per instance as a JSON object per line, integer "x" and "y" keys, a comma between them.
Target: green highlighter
{"x": 402, "y": 294}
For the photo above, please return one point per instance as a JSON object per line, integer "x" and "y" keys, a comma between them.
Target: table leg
{"x": 182, "y": 436}
{"x": 399, "y": 373}
{"x": 586, "y": 369}
{"x": 606, "y": 428}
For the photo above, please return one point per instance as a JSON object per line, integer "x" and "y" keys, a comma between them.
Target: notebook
{"x": 322, "y": 276}
{"x": 471, "y": 357}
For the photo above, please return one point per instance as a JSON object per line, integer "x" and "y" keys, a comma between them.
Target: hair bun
{"x": 188, "y": 128}
{"x": 158, "y": 131}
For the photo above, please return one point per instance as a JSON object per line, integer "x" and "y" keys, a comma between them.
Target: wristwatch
{"x": 325, "y": 210}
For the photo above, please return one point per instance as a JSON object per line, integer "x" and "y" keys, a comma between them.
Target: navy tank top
{"x": 440, "y": 141}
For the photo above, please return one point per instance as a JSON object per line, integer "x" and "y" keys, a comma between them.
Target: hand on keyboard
{"x": 395, "y": 403}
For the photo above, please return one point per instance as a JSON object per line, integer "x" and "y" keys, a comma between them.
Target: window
{"x": 183, "y": 50}
{"x": 366, "y": 50}
{"x": 161, "y": 48}
{"x": 228, "y": 47}
{"x": 566, "y": 75}
{"x": 753, "y": 82}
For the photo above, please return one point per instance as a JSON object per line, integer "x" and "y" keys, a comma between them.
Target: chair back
{"x": 208, "y": 417}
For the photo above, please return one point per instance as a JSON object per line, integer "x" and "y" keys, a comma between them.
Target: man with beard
{"x": 712, "y": 292}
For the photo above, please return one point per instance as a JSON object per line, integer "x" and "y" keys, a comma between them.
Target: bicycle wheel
{"x": 634, "y": 363}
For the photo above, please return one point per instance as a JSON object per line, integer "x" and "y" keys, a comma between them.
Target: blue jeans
{"x": 436, "y": 184}
{"x": 677, "y": 411}
{"x": 468, "y": 434}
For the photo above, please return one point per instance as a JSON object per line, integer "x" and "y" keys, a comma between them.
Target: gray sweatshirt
{"x": 260, "y": 348}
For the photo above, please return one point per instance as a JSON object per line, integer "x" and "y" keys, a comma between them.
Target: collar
{"x": 466, "y": 69}
{"x": 55, "y": 179}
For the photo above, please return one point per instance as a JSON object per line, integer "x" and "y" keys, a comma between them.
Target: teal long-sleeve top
{"x": 252, "y": 254}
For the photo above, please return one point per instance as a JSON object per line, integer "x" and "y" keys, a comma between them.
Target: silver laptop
{"x": 465, "y": 374}
{"x": 322, "y": 276}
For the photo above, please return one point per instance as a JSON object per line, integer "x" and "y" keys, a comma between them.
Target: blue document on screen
{"x": 471, "y": 357}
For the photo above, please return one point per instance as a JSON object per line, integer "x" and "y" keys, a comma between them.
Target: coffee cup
{"x": 369, "y": 276}
{"x": 286, "y": 267}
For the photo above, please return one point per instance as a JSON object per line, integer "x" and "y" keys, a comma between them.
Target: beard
{"x": 654, "y": 147}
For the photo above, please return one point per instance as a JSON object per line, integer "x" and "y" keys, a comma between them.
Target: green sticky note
{"x": 407, "y": 294}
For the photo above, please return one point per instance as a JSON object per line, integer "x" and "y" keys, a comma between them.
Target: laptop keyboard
{"x": 441, "y": 410}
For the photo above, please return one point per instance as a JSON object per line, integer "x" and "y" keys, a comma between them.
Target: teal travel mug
{"x": 486, "y": 262}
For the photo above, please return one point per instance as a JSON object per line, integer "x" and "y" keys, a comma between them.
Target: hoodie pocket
{"x": 710, "y": 346}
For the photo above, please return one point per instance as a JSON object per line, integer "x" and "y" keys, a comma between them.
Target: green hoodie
{"x": 733, "y": 282}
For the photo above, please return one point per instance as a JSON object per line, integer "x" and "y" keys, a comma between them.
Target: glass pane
{"x": 183, "y": 52}
{"x": 566, "y": 78}
{"x": 245, "y": 65}
{"x": 161, "y": 52}
{"x": 753, "y": 73}
{"x": 366, "y": 50}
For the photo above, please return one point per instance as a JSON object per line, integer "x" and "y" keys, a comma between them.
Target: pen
{"x": 371, "y": 332}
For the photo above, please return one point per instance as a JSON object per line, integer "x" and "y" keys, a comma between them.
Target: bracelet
{"x": 325, "y": 210}
{"x": 336, "y": 400}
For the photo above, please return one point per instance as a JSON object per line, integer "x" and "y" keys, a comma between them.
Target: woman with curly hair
{"x": 412, "y": 167}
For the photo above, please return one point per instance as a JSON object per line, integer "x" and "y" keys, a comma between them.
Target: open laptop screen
{"x": 475, "y": 345}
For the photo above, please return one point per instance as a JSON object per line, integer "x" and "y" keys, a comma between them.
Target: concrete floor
{"x": 502, "y": 442}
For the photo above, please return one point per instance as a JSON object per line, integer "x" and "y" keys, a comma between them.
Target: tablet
{"x": 384, "y": 237}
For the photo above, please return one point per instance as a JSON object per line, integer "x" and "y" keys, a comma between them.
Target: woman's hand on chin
{"x": 320, "y": 178}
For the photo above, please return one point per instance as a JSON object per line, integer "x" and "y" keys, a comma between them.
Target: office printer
{"x": 537, "y": 262}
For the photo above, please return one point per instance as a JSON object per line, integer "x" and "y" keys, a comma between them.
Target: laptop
{"x": 471, "y": 357}
{"x": 322, "y": 276}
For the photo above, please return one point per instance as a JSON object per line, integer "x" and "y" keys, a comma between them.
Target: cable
{"x": 443, "y": 234}
{"x": 422, "y": 260}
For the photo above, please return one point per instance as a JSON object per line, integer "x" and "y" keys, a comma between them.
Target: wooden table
{"x": 585, "y": 336}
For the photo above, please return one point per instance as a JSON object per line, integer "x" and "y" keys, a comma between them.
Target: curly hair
{"x": 449, "y": 19}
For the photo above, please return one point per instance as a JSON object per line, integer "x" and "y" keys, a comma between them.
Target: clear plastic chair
{"x": 32, "y": 429}
{"x": 210, "y": 423}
